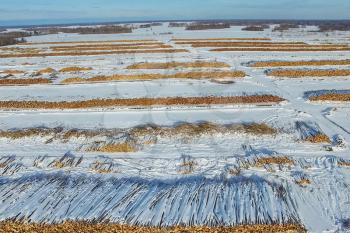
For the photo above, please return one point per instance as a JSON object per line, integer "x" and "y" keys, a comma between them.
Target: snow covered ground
{"x": 225, "y": 184}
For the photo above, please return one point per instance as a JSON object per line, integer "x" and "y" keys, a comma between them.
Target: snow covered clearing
{"x": 169, "y": 160}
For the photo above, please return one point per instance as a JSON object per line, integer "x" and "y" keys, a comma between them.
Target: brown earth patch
{"x": 12, "y": 72}
{"x": 88, "y": 53}
{"x": 75, "y": 69}
{"x": 90, "y": 45}
{"x": 85, "y": 42}
{"x": 17, "y": 134}
{"x": 197, "y": 44}
{"x": 204, "y": 128}
{"x": 283, "y": 160}
{"x": 331, "y": 97}
{"x": 303, "y": 182}
{"x": 102, "y": 48}
{"x": 309, "y": 73}
{"x": 170, "y": 65}
{"x": 184, "y": 75}
{"x": 190, "y": 129}
{"x": 318, "y": 138}
{"x": 73, "y": 227}
{"x": 299, "y": 63}
{"x": 46, "y": 71}
{"x": 115, "y": 148}
{"x": 13, "y": 82}
{"x": 281, "y": 49}
{"x": 219, "y": 39}
{"x": 343, "y": 163}
{"x": 145, "y": 102}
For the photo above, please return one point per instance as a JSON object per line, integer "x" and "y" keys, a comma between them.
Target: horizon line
{"x": 95, "y": 21}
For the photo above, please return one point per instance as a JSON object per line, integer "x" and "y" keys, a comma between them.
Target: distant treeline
{"x": 334, "y": 26}
{"x": 269, "y": 22}
{"x": 177, "y": 25}
{"x": 251, "y": 25}
{"x": 324, "y": 26}
{"x": 285, "y": 26}
{"x": 148, "y": 25}
{"x": 145, "y": 26}
{"x": 256, "y": 27}
{"x": 109, "y": 29}
{"x": 206, "y": 26}
{"x": 10, "y": 38}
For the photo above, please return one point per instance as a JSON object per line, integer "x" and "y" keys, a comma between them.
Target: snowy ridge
{"x": 53, "y": 197}
{"x": 254, "y": 196}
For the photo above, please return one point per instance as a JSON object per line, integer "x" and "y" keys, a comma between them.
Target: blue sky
{"x": 69, "y": 11}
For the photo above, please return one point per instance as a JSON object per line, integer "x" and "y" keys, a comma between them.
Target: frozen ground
{"x": 148, "y": 186}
